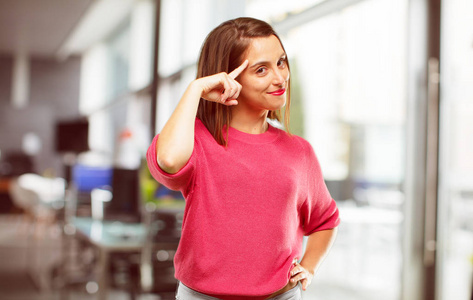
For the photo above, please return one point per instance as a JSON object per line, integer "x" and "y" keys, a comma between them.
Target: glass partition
{"x": 455, "y": 227}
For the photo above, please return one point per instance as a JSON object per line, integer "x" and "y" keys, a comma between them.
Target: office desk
{"x": 109, "y": 237}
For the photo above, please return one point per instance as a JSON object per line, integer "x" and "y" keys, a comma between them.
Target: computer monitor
{"x": 86, "y": 178}
{"x": 72, "y": 136}
{"x": 125, "y": 204}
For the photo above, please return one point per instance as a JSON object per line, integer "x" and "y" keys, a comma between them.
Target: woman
{"x": 252, "y": 191}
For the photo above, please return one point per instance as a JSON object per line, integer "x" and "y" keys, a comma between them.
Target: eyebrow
{"x": 265, "y": 62}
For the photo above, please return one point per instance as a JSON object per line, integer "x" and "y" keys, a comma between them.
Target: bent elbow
{"x": 168, "y": 164}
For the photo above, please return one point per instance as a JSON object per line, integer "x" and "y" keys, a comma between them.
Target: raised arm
{"x": 176, "y": 141}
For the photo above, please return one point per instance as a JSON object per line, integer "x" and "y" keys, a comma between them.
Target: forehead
{"x": 264, "y": 48}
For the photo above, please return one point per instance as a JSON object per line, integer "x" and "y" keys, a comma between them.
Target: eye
{"x": 261, "y": 71}
{"x": 282, "y": 62}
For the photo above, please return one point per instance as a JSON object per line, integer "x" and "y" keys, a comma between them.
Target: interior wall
{"x": 54, "y": 95}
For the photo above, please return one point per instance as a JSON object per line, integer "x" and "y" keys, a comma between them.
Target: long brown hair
{"x": 223, "y": 51}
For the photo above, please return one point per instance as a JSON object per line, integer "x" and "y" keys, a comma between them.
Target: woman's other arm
{"x": 318, "y": 246}
{"x": 176, "y": 140}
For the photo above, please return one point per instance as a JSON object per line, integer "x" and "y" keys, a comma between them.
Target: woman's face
{"x": 264, "y": 81}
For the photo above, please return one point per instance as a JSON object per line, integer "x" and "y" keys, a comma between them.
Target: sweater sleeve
{"x": 178, "y": 181}
{"x": 319, "y": 211}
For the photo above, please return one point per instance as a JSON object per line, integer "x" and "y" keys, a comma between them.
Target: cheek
{"x": 253, "y": 87}
{"x": 287, "y": 75}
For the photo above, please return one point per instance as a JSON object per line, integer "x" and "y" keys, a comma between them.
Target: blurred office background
{"x": 382, "y": 89}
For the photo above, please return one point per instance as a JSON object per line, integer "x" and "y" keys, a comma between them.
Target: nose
{"x": 280, "y": 76}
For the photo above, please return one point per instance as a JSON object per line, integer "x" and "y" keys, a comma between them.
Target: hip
{"x": 186, "y": 293}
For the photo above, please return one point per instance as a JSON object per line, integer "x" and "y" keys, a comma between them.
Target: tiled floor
{"x": 19, "y": 266}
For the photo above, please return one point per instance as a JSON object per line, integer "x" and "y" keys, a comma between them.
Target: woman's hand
{"x": 176, "y": 140}
{"x": 222, "y": 87}
{"x": 299, "y": 273}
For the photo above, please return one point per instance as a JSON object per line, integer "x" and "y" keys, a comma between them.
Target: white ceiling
{"x": 38, "y": 27}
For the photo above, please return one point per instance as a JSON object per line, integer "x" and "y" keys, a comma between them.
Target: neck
{"x": 250, "y": 123}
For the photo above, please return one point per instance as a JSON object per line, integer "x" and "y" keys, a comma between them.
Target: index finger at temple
{"x": 234, "y": 74}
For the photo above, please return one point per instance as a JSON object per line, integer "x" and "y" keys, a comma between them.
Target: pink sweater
{"x": 248, "y": 206}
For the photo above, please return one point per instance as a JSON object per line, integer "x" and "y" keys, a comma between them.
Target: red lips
{"x": 278, "y": 92}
